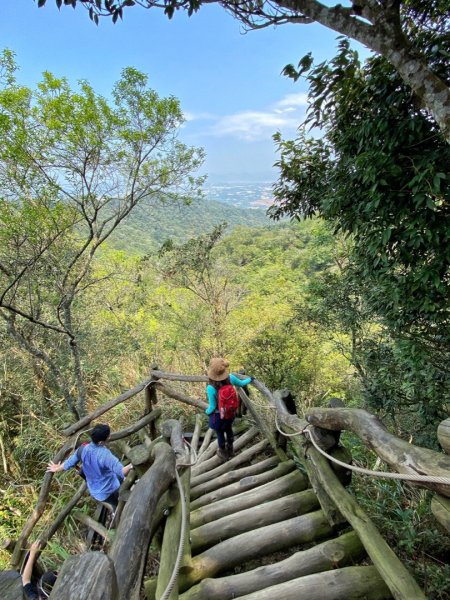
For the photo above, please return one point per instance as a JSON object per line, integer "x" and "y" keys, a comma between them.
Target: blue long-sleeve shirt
{"x": 212, "y": 395}
{"x": 103, "y": 470}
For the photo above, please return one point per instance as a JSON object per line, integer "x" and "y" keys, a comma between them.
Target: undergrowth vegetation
{"x": 403, "y": 516}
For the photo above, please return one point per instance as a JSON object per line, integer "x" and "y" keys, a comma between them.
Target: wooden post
{"x": 40, "y": 506}
{"x": 265, "y": 430}
{"x": 205, "y": 444}
{"x": 330, "y": 510}
{"x": 11, "y": 585}
{"x": 197, "y": 431}
{"x": 47, "y": 535}
{"x": 88, "y": 576}
{"x": 171, "y": 539}
{"x": 92, "y": 524}
{"x": 443, "y": 434}
{"x": 151, "y": 399}
{"x": 392, "y": 570}
{"x": 440, "y": 507}
{"x": 129, "y": 549}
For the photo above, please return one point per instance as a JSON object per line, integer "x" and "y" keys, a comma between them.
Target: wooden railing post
{"x": 151, "y": 399}
{"x": 440, "y": 506}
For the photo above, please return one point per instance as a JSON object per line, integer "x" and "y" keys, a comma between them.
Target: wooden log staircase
{"x": 271, "y": 522}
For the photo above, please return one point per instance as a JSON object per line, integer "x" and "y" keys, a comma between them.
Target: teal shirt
{"x": 211, "y": 391}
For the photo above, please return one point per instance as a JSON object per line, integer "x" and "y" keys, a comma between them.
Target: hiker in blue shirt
{"x": 220, "y": 377}
{"x": 103, "y": 471}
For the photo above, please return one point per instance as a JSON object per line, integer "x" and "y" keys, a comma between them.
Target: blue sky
{"x": 229, "y": 83}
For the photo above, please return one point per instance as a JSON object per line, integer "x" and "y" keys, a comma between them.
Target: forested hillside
{"x": 148, "y": 227}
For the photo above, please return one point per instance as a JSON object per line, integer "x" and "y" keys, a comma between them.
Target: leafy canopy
{"x": 73, "y": 166}
{"x": 380, "y": 173}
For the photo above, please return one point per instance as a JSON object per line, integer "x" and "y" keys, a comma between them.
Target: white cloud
{"x": 190, "y": 116}
{"x": 253, "y": 125}
{"x": 292, "y": 101}
{"x": 249, "y": 125}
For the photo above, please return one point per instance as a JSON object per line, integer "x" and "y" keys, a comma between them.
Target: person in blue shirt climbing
{"x": 223, "y": 403}
{"x": 103, "y": 471}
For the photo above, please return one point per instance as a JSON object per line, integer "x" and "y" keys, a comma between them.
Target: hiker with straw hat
{"x": 222, "y": 403}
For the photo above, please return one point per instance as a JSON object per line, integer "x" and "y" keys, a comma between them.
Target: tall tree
{"x": 391, "y": 29}
{"x": 72, "y": 167}
{"x": 381, "y": 174}
{"x": 197, "y": 267}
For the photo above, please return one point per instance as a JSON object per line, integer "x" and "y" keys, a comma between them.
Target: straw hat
{"x": 218, "y": 369}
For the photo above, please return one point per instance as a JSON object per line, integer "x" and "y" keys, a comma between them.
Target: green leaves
{"x": 380, "y": 175}
{"x": 73, "y": 166}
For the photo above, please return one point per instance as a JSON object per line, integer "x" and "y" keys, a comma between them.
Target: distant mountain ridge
{"x": 146, "y": 229}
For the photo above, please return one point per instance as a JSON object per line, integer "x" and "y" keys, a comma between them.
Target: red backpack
{"x": 228, "y": 402}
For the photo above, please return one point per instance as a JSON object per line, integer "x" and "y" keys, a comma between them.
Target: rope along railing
{"x": 401, "y": 476}
{"x": 177, "y": 565}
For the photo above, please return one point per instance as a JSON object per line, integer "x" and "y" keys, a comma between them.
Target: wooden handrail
{"x": 397, "y": 453}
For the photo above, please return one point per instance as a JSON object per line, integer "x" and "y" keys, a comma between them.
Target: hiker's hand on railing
{"x": 35, "y": 548}
{"x": 127, "y": 469}
{"x": 54, "y": 467}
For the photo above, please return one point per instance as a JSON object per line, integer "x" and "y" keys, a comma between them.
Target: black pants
{"x": 224, "y": 430}
{"x": 113, "y": 499}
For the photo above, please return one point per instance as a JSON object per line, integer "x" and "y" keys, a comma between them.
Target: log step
{"x": 214, "y": 461}
{"x": 342, "y": 551}
{"x": 349, "y": 583}
{"x": 241, "y": 480}
{"x": 223, "y": 467}
{"x": 240, "y": 514}
{"x": 288, "y": 484}
{"x": 253, "y": 518}
{"x": 248, "y": 546}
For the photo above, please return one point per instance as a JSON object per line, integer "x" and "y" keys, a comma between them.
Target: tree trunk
{"x": 248, "y": 546}
{"x": 332, "y": 554}
{"x": 288, "y": 484}
{"x": 252, "y": 519}
{"x": 382, "y": 34}
{"x": 432, "y": 91}
{"x": 247, "y": 479}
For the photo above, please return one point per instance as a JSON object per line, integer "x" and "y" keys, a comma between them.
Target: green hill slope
{"x": 147, "y": 228}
